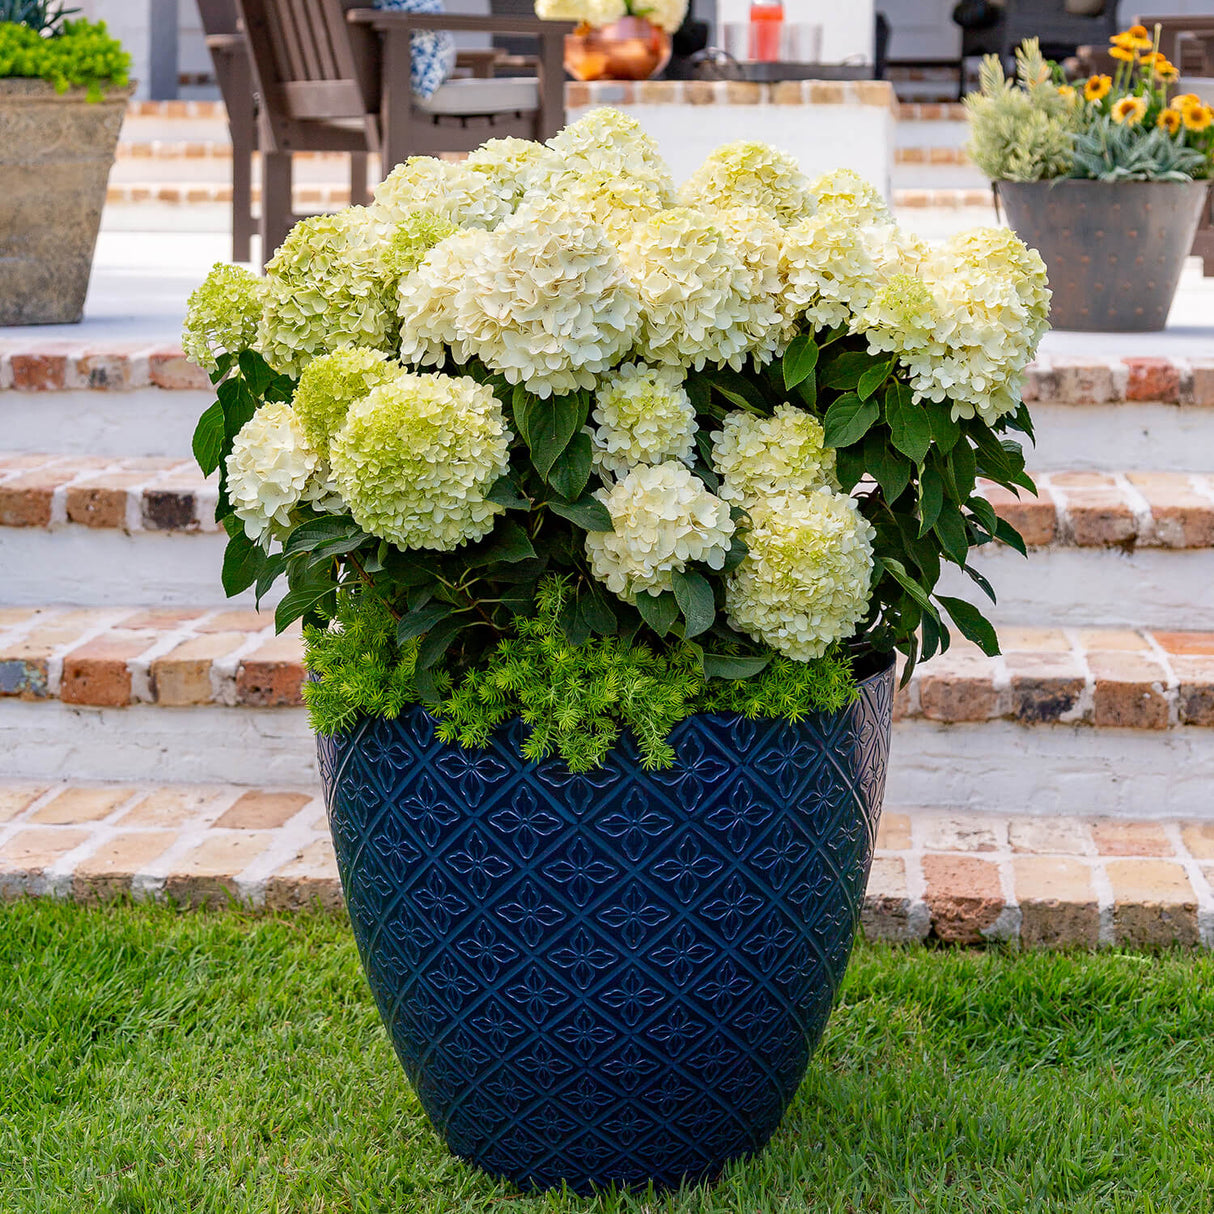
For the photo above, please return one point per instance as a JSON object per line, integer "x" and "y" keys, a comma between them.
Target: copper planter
{"x": 629, "y": 49}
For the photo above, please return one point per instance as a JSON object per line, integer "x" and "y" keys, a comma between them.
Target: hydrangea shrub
{"x": 540, "y": 413}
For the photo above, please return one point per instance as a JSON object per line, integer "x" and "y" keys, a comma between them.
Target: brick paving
{"x": 1071, "y": 509}
{"x": 111, "y": 657}
{"x": 1055, "y": 882}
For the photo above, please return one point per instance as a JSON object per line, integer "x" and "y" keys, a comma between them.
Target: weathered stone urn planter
{"x": 1113, "y": 249}
{"x": 55, "y": 156}
{"x": 615, "y": 977}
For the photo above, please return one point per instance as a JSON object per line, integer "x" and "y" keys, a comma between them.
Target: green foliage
{"x": 1111, "y": 151}
{"x": 1022, "y": 129}
{"x": 576, "y": 698}
{"x": 43, "y": 15}
{"x": 80, "y": 54}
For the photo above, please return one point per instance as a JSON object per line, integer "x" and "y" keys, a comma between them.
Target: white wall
{"x": 847, "y": 25}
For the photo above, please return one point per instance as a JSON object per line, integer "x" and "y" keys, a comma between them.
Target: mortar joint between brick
{"x": 1085, "y": 702}
{"x": 1140, "y": 507}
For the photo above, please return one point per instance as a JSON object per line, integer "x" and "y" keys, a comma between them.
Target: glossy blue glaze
{"x": 617, "y": 976}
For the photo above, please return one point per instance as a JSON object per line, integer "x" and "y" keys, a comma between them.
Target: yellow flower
{"x": 1066, "y": 92}
{"x": 1135, "y": 38}
{"x": 1120, "y": 52}
{"x": 1097, "y": 87}
{"x": 1167, "y": 72}
{"x": 1130, "y": 110}
{"x": 1184, "y": 101}
{"x": 1198, "y": 117}
{"x": 1168, "y": 120}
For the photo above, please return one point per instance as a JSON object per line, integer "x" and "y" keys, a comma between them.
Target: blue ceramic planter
{"x": 618, "y": 976}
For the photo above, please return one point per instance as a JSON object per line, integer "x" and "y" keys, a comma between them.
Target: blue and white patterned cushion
{"x": 432, "y": 57}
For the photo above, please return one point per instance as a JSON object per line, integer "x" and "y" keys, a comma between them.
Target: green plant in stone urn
{"x": 568, "y": 471}
{"x": 63, "y": 93}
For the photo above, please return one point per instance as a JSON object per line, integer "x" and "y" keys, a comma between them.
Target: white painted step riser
{"x": 152, "y": 421}
{"x": 1167, "y": 589}
{"x": 932, "y": 133}
{"x": 184, "y": 172}
{"x": 997, "y": 767}
{"x": 156, "y": 129}
{"x": 1107, "y": 438}
{"x": 145, "y": 421}
{"x": 84, "y": 567}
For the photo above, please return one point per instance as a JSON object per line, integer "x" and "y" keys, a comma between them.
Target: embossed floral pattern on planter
{"x": 617, "y": 975}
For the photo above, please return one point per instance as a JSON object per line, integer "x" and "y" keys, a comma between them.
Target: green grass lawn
{"x": 159, "y": 1061}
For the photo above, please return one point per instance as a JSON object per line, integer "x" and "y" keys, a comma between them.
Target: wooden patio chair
{"x": 332, "y": 76}
{"x": 230, "y": 57}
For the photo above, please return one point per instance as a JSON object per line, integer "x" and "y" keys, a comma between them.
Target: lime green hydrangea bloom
{"x": 644, "y": 416}
{"x": 416, "y": 457}
{"x": 222, "y": 315}
{"x": 762, "y": 457}
{"x": 750, "y": 174}
{"x": 330, "y": 384}
{"x": 804, "y": 582}
{"x": 325, "y": 289}
{"x": 409, "y": 243}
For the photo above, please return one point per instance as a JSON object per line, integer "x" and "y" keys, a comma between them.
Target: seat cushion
{"x": 478, "y": 96}
{"x": 431, "y": 52}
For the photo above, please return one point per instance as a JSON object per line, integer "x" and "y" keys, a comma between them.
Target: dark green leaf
{"x": 520, "y": 404}
{"x": 849, "y": 419}
{"x": 954, "y": 538}
{"x": 598, "y": 612}
{"x": 417, "y": 623}
{"x": 726, "y": 666}
{"x": 658, "y": 611}
{"x": 739, "y": 390}
{"x": 271, "y": 571}
{"x": 550, "y": 426}
{"x": 984, "y": 512}
{"x": 887, "y": 467}
{"x": 965, "y": 467}
{"x": 908, "y": 423}
{"x": 849, "y": 466}
{"x": 437, "y": 641}
{"x": 587, "y": 512}
{"x": 320, "y": 532}
{"x": 931, "y": 498}
{"x": 509, "y": 542}
{"x": 898, "y": 572}
{"x": 571, "y": 471}
{"x": 426, "y": 683}
{"x": 257, "y": 373}
{"x": 800, "y": 359}
{"x": 223, "y": 364}
{"x": 981, "y": 582}
{"x": 1009, "y": 535}
{"x": 243, "y": 561}
{"x": 844, "y": 370}
{"x": 935, "y": 636}
{"x": 573, "y": 621}
{"x": 209, "y": 439}
{"x": 972, "y": 624}
{"x": 807, "y": 390}
{"x": 506, "y": 493}
{"x": 872, "y": 379}
{"x": 693, "y": 593}
{"x": 736, "y": 554}
{"x": 298, "y": 602}
{"x": 944, "y": 430}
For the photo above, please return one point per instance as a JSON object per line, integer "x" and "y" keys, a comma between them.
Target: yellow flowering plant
{"x": 487, "y": 424}
{"x": 1123, "y": 127}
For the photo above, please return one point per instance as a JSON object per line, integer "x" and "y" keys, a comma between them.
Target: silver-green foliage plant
{"x": 1022, "y": 129}
{"x": 1110, "y": 151}
{"x": 45, "y": 16}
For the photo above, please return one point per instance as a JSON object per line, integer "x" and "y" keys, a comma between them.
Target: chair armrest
{"x": 386, "y": 19}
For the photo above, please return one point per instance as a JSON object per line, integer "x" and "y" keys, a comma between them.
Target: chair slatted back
{"x": 304, "y": 62}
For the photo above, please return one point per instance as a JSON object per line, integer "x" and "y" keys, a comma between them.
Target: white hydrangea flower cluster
{"x": 325, "y": 289}
{"x": 644, "y": 416}
{"x": 590, "y": 12}
{"x": 747, "y": 174}
{"x": 847, "y": 193}
{"x": 692, "y": 287}
{"x": 269, "y": 471}
{"x": 663, "y": 518}
{"x": 544, "y": 299}
{"x": 605, "y": 141}
{"x": 416, "y": 457}
{"x": 515, "y": 167}
{"x": 763, "y": 457}
{"x": 805, "y": 581}
{"x": 328, "y": 387}
{"x": 446, "y": 189}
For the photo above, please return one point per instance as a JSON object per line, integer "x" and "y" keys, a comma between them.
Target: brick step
{"x": 1111, "y": 549}
{"x": 320, "y": 196}
{"x": 130, "y": 398}
{"x": 1058, "y": 881}
{"x": 1067, "y": 720}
